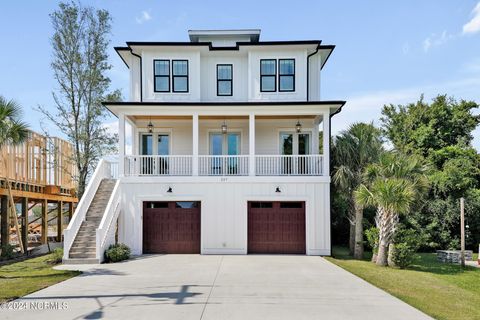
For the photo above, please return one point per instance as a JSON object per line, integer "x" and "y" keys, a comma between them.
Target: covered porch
{"x": 223, "y": 140}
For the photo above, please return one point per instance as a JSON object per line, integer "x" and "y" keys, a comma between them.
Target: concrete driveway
{"x": 214, "y": 287}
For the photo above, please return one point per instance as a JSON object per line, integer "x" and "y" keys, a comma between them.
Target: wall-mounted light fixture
{"x": 298, "y": 126}
{"x": 224, "y": 127}
{"x": 169, "y": 190}
{"x": 150, "y": 126}
{"x": 278, "y": 190}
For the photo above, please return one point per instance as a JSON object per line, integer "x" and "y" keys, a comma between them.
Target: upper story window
{"x": 180, "y": 75}
{"x": 224, "y": 79}
{"x": 161, "y": 75}
{"x": 268, "y": 75}
{"x": 286, "y": 75}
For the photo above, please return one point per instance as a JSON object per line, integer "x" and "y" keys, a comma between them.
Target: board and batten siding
{"x": 224, "y": 210}
{"x": 246, "y": 74}
{"x": 266, "y": 136}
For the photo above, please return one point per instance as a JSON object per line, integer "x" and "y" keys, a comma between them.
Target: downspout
{"x": 141, "y": 76}
{"x": 308, "y": 68}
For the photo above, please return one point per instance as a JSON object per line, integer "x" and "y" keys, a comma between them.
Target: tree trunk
{"x": 358, "y": 252}
{"x": 383, "y": 226}
{"x": 391, "y": 251}
{"x": 351, "y": 243}
{"x": 374, "y": 257}
{"x": 382, "y": 255}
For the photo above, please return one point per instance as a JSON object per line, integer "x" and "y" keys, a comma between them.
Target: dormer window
{"x": 180, "y": 75}
{"x": 224, "y": 79}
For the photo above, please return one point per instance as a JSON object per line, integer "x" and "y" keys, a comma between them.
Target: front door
{"x": 224, "y": 144}
{"x": 294, "y": 144}
{"x": 155, "y": 148}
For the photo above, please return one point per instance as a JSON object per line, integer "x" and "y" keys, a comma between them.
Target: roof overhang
{"x": 225, "y": 108}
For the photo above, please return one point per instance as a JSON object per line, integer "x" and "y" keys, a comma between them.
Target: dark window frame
{"x": 155, "y": 76}
{"x": 269, "y": 75}
{"x": 227, "y": 80}
{"x": 180, "y": 76}
{"x": 286, "y": 75}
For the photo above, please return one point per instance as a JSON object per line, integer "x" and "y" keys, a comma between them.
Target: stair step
{"x": 82, "y": 251}
{"x": 81, "y": 255}
{"x": 80, "y": 261}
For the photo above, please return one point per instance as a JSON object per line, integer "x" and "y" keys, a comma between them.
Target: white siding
{"x": 208, "y": 82}
{"x": 224, "y": 210}
{"x": 266, "y": 136}
{"x": 193, "y": 58}
{"x": 314, "y": 78}
{"x": 300, "y": 56}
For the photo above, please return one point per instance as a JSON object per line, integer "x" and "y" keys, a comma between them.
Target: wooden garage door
{"x": 171, "y": 227}
{"x": 276, "y": 227}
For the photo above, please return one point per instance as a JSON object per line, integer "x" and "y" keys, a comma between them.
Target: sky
{"x": 386, "y": 51}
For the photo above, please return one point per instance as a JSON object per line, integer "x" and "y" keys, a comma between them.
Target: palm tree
{"x": 12, "y": 130}
{"x": 353, "y": 150}
{"x": 392, "y": 185}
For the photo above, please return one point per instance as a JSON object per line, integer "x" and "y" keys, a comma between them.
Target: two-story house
{"x": 221, "y": 151}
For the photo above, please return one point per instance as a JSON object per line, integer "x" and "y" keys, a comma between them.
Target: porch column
{"x": 326, "y": 143}
{"x": 195, "y": 144}
{"x": 251, "y": 144}
{"x": 121, "y": 141}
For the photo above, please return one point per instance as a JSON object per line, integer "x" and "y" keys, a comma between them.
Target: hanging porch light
{"x": 150, "y": 126}
{"x": 224, "y": 127}
{"x": 298, "y": 126}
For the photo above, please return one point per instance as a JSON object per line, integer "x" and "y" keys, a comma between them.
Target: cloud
{"x": 473, "y": 26}
{"x": 435, "y": 40}
{"x": 406, "y": 48}
{"x": 144, "y": 17}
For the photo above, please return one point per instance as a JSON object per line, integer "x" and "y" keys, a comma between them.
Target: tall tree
{"x": 354, "y": 149}
{"x": 393, "y": 185}
{"x": 13, "y": 130}
{"x": 80, "y": 63}
{"x": 441, "y": 131}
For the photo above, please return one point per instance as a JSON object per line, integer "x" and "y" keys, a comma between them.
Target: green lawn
{"x": 21, "y": 278}
{"x": 443, "y": 291}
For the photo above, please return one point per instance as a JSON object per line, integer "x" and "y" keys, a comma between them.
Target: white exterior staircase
{"x": 92, "y": 228}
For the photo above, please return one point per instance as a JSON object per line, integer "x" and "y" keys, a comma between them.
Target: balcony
{"x": 211, "y": 165}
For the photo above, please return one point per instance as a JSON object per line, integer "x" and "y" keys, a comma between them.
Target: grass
{"x": 443, "y": 291}
{"x": 21, "y": 278}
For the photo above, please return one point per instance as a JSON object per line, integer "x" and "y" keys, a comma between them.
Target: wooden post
{"x": 70, "y": 212}
{"x": 25, "y": 224}
{"x": 5, "y": 222}
{"x": 59, "y": 221}
{"x": 462, "y": 231}
{"x": 44, "y": 221}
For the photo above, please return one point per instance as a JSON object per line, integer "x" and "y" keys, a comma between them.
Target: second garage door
{"x": 171, "y": 227}
{"x": 276, "y": 227}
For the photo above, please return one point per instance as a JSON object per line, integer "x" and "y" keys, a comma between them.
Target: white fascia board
{"x": 223, "y": 110}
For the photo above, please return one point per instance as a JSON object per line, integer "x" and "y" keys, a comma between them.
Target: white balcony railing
{"x": 289, "y": 165}
{"x": 158, "y": 165}
{"x": 237, "y": 165}
{"x": 223, "y": 165}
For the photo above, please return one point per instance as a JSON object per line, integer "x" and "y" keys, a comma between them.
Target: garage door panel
{"x": 170, "y": 228}
{"x": 277, "y": 227}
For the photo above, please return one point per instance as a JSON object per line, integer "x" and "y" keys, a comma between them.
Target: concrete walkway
{"x": 214, "y": 287}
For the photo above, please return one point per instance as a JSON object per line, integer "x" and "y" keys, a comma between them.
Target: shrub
{"x": 406, "y": 243}
{"x": 372, "y": 239}
{"x": 117, "y": 252}
{"x": 56, "y": 256}
{"x": 8, "y": 251}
